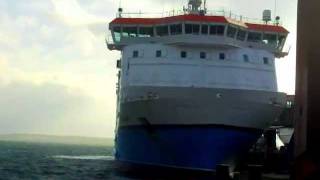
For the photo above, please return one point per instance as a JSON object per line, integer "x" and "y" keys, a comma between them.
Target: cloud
{"x": 51, "y": 109}
{"x": 4, "y": 69}
{"x": 3, "y": 65}
{"x": 55, "y": 102}
{"x": 55, "y": 76}
{"x": 71, "y": 13}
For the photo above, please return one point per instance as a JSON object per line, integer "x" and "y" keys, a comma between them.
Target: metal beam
{"x": 307, "y": 117}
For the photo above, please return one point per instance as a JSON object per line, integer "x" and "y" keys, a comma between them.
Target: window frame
{"x": 130, "y": 31}
{"x": 117, "y": 33}
{"x": 252, "y": 39}
{"x": 158, "y": 53}
{"x": 191, "y": 27}
{"x": 207, "y": 29}
{"x": 162, "y": 27}
{"x": 135, "y": 54}
{"x": 232, "y": 34}
{"x": 266, "y": 61}
{"x": 246, "y": 58}
{"x": 281, "y": 40}
{"x": 216, "y": 29}
{"x": 222, "y": 56}
{"x": 203, "y": 55}
{"x": 270, "y": 39}
{"x": 183, "y": 54}
{"x": 178, "y": 29}
{"x": 146, "y": 33}
{"x": 240, "y": 37}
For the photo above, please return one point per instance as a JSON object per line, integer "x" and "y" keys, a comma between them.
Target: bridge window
{"x": 231, "y": 31}
{"x": 203, "y": 55}
{"x": 117, "y": 33}
{"x": 146, "y": 32}
{"x": 192, "y": 28}
{"x": 176, "y": 29}
{"x": 129, "y": 31}
{"x": 270, "y": 39}
{"x": 162, "y": 30}
{"x": 281, "y": 41}
{"x": 217, "y": 30}
{"x": 158, "y": 53}
{"x": 204, "y": 29}
{"x": 241, "y": 35}
{"x": 119, "y": 63}
{"x": 183, "y": 54}
{"x": 135, "y": 54}
{"x": 222, "y": 56}
{"x": 266, "y": 60}
{"x": 246, "y": 58}
{"x": 254, "y": 37}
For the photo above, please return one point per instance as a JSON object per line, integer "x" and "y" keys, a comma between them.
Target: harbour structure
{"x": 195, "y": 90}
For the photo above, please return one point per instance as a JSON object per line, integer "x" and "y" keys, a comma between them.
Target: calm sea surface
{"x": 51, "y": 161}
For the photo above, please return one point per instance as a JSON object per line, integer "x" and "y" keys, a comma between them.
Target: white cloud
{"x": 55, "y": 77}
{"x": 71, "y": 13}
{"x": 3, "y": 65}
{"x": 51, "y": 109}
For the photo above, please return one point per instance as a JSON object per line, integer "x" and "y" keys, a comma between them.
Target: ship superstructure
{"x": 195, "y": 90}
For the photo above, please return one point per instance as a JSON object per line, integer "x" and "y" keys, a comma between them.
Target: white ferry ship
{"x": 195, "y": 89}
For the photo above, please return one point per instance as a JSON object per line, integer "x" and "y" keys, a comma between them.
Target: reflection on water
{"x": 105, "y": 158}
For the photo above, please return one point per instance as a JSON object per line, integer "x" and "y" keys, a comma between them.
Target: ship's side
{"x": 193, "y": 100}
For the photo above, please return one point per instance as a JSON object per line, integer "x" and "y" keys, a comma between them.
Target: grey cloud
{"x": 47, "y": 108}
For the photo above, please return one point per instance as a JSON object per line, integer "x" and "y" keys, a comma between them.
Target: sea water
{"x": 33, "y": 161}
{"x": 52, "y": 161}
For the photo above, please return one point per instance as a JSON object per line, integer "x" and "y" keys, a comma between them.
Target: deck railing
{"x": 227, "y": 14}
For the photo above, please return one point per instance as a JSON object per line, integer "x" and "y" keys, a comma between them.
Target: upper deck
{"x": 198, "y": 30}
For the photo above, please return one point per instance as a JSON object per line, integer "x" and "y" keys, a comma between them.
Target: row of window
{"x": 174, "y": 29}
{"x": 202, "y": 55}
{"x": 220, "y": 30}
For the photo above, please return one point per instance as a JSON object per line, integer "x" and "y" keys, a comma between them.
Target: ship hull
{"x": 186, "y": 147}
{"x": 192, "y": 128}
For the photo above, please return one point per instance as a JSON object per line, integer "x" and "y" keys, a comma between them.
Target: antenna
{"x": 275, "y": 8}
{"x": 194, "y": 5}
{"x": 266, "y": 16}
{"x": 120, "y": 9}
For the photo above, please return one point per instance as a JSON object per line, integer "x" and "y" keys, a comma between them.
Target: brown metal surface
{"x": 308, "y": 77}
{"x": 307, "y": 113}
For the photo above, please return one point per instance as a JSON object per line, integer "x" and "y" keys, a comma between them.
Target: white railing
{"x": 109, "y": 38}
{"x": 227, "y": 14}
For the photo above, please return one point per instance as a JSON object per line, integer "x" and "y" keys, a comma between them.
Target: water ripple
{"x": 105, "y": 158}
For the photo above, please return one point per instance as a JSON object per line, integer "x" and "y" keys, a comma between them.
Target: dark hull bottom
{"x": 186, "y": 147}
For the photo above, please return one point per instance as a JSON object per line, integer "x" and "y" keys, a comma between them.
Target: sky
{"x": 56, "y": 75}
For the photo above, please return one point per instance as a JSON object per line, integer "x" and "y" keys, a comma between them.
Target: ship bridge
{"x": 198, "y": 29}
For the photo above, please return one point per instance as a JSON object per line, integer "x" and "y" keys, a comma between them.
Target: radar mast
{"x": 194, "y": 7}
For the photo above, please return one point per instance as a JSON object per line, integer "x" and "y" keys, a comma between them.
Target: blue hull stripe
{"x": 192, "y": 147}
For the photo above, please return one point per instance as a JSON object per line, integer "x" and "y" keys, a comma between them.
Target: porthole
{"x": 246, "y": 58}
{"x": 158, "y": 53}
{"x": 135, "y": 54}
{"x": 203, "y": 55}
{"x": 183, "y": 54}
{"x": 222, "y": 56}
{"x": 266, "y": 61}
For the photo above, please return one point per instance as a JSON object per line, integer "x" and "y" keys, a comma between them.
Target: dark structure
{"x": 307, "y": 117}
